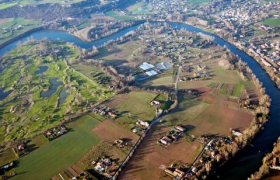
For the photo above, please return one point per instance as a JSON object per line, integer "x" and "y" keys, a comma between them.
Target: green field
{"x": 19, "y": 21}
{"x": 140, "y": 8}
{"x": 238, "y": 89}
{"x": 14, "y": 23}
{"x": 136, "y": 104}
{"x": 118, "y": 16}
{"x": 164, "y": 79}
{"x": 55, "y": 156}
{"x": 83, "y": 25}
{"x": 198, "y": 1}
{"x": 7, "y": 156}
{"x": 189, "y": 108}
{"x": 7, "y": 5}
{"x": 219, "y": 76}
{"x": 272, "y": 22}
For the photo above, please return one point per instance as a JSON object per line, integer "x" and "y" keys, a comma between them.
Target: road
{"x": 178, "y": 74}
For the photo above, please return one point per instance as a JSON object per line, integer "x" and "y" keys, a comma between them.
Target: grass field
{"x": 273, "y": 22}
{"x": 218, "y": 76}
{"x": 198, "y": 1}
{"x": 164, "y": 79}
{"x": 55, "y": 156}
{"x": 34, "y": 2}
{"x": 119, "y": 16}
{"x": 239, "y": 88}
{"x": 13, "y": 23}
{"x": 136, "y": 103}
{"x": 121, "y": 51}
{"x": 83, "y": 25}
{"x": 200, "y": 117}
{"x": 7, "y": 156}
{"x": 7, "y": 5}
{"x": 140, "y": 8}
{"x": 189, "y": 108}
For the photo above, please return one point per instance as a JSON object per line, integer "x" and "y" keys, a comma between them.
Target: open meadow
{"x": 135, "y": 104}
{"x": 14, "y": 27}
{"x": 119, "y": 16}
{"x": 57, "y": 155}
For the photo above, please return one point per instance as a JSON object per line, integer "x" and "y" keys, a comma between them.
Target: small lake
{"x": 54, "y": 85}
{"x": 63, "y": 96}
{"x": 4, "y": 94}
{"x": 41, "y": 69}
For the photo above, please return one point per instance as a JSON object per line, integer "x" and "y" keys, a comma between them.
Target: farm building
{"x": 145, "y": 66}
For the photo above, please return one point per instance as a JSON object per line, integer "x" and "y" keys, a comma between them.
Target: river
{"x": 248, "y": 160}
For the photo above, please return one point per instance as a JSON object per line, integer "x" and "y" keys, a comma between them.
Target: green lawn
{"x": 238, "y": 89}
{"x": 7, "y": 5}
{"x": 189, "y": 108}
{"x": 136, "y": 104}
{"x": 83, "y": 25}
{"x": 7, "y": 156}
{"x": 218, "y": 76}
{"x": 118, "y": 16}
{"x": 19, "y": 21}
{"x": 198, "y": 1}
{"x": 272, "y": 22}
{"x": 55, "y": 156}
{"x": 34, "y": 2}
{"x": 164, "y": 79}
{"x": 140, "y": 8}
{"x": 15, "y": 22}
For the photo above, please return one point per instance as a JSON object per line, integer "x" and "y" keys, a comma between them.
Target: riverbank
{"x": 83, "y": 34}
{"x": 270, "y": 72}
{"x": 270, "y": 163}
{"x": 21, "y": 36}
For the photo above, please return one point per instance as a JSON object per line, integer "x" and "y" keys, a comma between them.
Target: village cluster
{"x": 172, "y": 136}
{"x": 210, "y": 152}
{"x": 55, "y": 132}
{"x": 105, "y": 111}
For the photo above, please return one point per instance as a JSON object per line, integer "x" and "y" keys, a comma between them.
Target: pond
{"x": 54, "y": 85}
{"x": 63, "y": 94}
{"x": 41, "y": 69}
{"x": 4, "y": 94}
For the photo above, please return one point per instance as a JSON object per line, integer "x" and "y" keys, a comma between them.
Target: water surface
{"x": 41, "y": 69}
{"x": 54, "y": 85}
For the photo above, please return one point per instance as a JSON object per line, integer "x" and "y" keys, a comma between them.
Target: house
{"x": 112, "y": 115}
{"x": 163, "y": 141}
{"x": 276, "y": 162}
{"x": 143, "y": 123}
{"x": 154, "y": 102}
{"x": 236, "y": 133}
{"x": 176, "y": 173}
{"x": 194, "y": 169}
{"x": 180, "y": 128}
{"x": 167, "y": 139}
{"x": 213, "y": 154}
